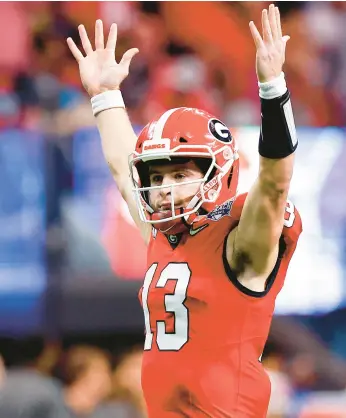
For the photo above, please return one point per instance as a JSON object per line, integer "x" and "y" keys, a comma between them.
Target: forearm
{"x": 117, "y": 135}
{"x": 275, "y": 176}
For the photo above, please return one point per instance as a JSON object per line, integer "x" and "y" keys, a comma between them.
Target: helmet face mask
{"x": 142, "y": 192}
{"x": 220, "y": 172}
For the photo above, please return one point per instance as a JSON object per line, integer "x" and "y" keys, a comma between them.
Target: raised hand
{"x": 271, "y": 46}
{"x": 98, "y": 69}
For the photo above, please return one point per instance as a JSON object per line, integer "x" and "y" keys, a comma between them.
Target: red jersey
{"x": 205, "y": 332}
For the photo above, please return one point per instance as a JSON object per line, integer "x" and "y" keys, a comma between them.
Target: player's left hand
{"x": 270, "y": 54}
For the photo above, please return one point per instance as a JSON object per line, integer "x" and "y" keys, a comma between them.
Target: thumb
{"x": 127, "y": 57}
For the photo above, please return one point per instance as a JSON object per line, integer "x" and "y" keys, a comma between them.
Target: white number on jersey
{"x": 174, "y": 303}
{"x": 291, "y": 215}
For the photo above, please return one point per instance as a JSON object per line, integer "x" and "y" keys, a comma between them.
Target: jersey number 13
{"x": 174, "y": 303}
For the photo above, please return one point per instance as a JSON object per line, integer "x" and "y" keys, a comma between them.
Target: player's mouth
{"x": 165, "y": 207}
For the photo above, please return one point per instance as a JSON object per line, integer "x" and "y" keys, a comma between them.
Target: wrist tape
{"x": 107, "y": 100}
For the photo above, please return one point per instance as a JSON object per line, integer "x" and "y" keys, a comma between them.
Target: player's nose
{"x": 165, "y": 189}
{"x": 166, "y": 181}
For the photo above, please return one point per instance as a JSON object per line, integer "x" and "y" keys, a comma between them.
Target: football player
{"x": 216, "y": 260}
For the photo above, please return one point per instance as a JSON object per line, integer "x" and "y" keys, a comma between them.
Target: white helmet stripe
{"x": 160, "y": 124}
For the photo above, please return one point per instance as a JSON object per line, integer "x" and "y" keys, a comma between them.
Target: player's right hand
{"x": 98, "y": 69}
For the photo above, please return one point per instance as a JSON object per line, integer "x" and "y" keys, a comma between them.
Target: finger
{"x": 85, "y": 40}
{"x": 267, "y": 34}
{"x": 127, "y": 57}
{"x": 99, "y": 40}
{"x": 272, "y": 22}
{"x": 112, "y": 37}
{"x": 256, "y": 36}
{"x": 74, "y": 49}
{"x": 278, "y": 22}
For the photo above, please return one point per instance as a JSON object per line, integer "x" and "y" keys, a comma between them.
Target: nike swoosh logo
{"x": 197, "y": 230}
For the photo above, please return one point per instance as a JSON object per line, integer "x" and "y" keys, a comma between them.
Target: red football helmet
{"x": 189, "y": 133}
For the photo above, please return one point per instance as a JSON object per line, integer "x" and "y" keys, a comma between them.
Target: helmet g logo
{"x": 219, "y": 131}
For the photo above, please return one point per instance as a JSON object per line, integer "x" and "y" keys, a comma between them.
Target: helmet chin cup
{"x": 169, "y": 226}
{"x": 172, "y": 227}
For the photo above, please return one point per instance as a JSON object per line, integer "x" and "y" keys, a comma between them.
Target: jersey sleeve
{"x": 292, "y": 229}
{"x": 292, "y": 225}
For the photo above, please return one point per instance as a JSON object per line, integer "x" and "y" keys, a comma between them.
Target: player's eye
{"x": 179, "y": 176}
{"x": 155, "y": 179}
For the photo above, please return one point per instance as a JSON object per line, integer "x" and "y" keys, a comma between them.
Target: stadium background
{"x": 71, "y": 259}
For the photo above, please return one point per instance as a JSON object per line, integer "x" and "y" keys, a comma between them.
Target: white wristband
{"x": 107, "y": 100}
{"x": 274, "y": 88}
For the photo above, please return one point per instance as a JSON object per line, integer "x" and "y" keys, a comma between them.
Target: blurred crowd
{"x": 191, "y": 54}
{"x": 40, "y": 380}
{"x": 103, "y": 380}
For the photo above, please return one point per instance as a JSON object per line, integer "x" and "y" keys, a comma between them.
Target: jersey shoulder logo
{"x": 221, "y": 211}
